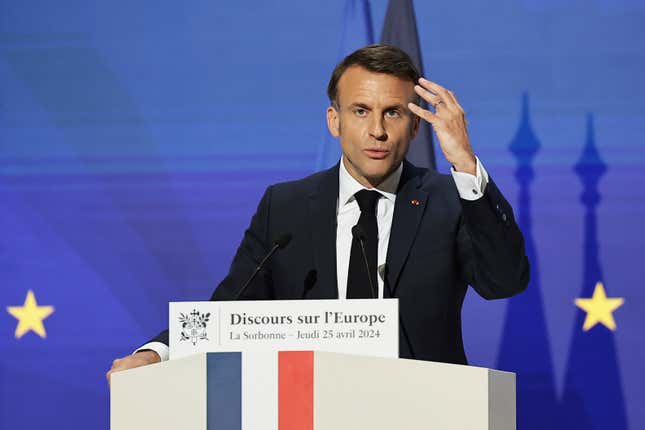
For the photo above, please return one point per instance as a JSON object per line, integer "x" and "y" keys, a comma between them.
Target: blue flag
{"x": 400, "y": 30}
{"x": 356, "y": 33}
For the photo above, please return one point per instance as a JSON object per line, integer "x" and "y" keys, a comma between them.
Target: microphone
{"x": 310, "y": 281}
{"x": 280, "y": 243}
{"x": 359, "y": 234}
{"x": 382, "y": 272}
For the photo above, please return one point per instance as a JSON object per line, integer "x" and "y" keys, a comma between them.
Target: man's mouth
{"x": 376, "y": 153}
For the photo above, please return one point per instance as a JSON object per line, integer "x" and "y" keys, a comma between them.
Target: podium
{"x": 303, "y": 390}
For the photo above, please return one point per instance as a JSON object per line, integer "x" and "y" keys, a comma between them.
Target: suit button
{"x": 504, "y": 217}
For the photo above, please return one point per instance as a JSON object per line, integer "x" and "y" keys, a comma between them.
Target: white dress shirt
{"x": 469, "y": 187}
{"x": 347, "y": 211}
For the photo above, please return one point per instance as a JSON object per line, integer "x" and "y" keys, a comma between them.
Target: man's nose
{"x": 377, "y": 129}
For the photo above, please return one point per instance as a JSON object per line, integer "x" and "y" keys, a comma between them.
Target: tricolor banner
{"x": 243, "y": 389}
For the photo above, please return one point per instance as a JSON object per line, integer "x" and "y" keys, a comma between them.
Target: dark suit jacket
{"x": 437, "y": 248}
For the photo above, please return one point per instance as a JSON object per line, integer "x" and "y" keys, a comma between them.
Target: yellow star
{"x": 599, "y": 308}
{"x": 30, "y": 316}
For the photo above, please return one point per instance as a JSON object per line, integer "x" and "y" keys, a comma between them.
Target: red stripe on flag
{"x": 295, "y": 390}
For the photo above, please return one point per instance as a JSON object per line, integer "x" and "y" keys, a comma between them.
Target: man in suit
{"x": 426, "y": 236}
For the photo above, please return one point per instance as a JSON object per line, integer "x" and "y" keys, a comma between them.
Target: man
{"x": 429, "y": 235}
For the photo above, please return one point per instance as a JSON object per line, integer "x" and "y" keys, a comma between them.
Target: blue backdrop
{"x": 137, "y": 137}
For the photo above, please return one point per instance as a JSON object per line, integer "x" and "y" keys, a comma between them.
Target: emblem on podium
{"x": 193, "y": 326}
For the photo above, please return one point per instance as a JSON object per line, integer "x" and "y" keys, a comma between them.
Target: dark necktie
{"x": 358, "y": 284}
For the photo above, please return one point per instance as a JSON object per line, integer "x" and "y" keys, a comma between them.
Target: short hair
{"x": 386, "y": 59}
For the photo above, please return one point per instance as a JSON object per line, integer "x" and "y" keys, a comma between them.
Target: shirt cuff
{"x": 471, "y": 187}
{"x": 158, "y": 347}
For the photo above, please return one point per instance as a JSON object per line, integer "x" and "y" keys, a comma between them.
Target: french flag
{"x": 274, "y": 387}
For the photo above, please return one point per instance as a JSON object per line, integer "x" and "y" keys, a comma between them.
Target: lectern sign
{"x": 367, "y": 327}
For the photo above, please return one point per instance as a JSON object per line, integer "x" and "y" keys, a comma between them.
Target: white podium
{"x": 303, "y": 390}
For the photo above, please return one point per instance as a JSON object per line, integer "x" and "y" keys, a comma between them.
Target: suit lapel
{"x": 323, "y": 217}
{"x": 410, "y": 205}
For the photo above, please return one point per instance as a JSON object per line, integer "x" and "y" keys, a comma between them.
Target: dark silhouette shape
{"x": 525, "y": 347}
{"x": 593, "y": 395}
{"x": 400, "y": 30}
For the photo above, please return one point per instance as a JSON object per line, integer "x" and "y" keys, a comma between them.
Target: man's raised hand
{"x": 449, "y": 123}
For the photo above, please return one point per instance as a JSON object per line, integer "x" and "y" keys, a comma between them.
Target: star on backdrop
{"x": 30, "y": 316}
{"x": 599, "y": 308}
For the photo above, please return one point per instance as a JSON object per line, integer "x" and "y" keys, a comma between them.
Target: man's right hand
{"x": 141, "y": 358}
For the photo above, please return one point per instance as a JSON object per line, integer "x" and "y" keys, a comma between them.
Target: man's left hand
{"x": 449, "y": 123}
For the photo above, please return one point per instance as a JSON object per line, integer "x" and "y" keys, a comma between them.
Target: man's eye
{"x": 392, "y": 113}
{"x": 360, "y": 112}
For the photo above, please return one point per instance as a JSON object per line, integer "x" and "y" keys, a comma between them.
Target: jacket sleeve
{"x": 491, "y": 246}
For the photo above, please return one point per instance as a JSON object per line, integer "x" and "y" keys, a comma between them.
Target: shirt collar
{"x": 348, "y": 186}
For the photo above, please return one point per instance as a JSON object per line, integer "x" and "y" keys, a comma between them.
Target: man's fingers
{"x": 116, "y": 366}
{"x": 435, "y": 88}
{"x": 454, "y": 99}
{"x": 141, "y": 358}
{"x": 426, "y": 95}
{"x": 444, "y": 94}
{"x": 108, "y": 375}
{"x": 122, "y": 363}
{"x": 423, "y": 113}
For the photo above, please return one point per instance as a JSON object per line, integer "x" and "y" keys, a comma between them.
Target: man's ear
{"x": 415, "y": 127}
{"x": 333, "y": 121}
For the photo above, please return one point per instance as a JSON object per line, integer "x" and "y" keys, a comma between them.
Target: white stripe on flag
{"x": 259, "y": 390}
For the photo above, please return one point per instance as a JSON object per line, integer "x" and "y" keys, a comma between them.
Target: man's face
{"x": 373, "y": 123}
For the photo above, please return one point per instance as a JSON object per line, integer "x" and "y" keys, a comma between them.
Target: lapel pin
{"x": 415, "y": 202}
